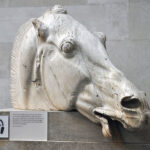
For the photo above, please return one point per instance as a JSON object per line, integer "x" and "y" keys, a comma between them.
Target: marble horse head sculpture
{"x": 58, "y": 64}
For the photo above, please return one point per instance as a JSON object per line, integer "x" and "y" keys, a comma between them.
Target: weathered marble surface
{"x": 59, "y": 64}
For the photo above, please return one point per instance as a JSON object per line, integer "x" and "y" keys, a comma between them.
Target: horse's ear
{"x": 102, "y": 37}
{"x": 41, "y": 29}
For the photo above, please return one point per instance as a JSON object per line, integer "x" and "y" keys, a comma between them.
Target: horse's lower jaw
{"x": 103, "y": 119}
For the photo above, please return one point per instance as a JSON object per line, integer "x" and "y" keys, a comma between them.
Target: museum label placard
{"x": 28, "y": 126}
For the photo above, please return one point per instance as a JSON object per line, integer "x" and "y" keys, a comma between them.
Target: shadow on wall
{"x": 125, "y": 138}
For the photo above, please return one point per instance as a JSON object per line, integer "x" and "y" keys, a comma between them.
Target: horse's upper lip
{"x": 106, "y": 113}
{"x": 96, "y": 113}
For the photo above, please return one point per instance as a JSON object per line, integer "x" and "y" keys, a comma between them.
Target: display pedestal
{"x": 72, "y": 131}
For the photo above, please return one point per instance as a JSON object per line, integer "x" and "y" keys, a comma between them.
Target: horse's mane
{"x": 14, "y": 73}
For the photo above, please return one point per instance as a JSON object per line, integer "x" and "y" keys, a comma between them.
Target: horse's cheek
{"x": 60, "y": 80}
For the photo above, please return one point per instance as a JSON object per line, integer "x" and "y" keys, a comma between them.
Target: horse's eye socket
{"x": 68, "y": 46}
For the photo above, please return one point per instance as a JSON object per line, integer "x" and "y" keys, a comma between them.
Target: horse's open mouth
{"x": 107, "y": 116}
{"x": 104, "y": 121}
{"x": 101, "y": 115}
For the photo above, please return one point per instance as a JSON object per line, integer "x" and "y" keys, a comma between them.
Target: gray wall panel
{"x": 139, "y": 19}
{"x": 39, "y": 3}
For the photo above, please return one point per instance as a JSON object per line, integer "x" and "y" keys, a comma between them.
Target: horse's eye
{"x": 68, "y": 46}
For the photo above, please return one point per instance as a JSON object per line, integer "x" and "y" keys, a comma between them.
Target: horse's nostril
{"x": 129, "y": 102}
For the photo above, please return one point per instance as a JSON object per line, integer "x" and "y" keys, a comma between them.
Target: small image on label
{"x": 3, "y": 126}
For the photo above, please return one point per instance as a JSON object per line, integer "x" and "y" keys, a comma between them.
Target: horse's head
{"x": 77, "y": 73}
